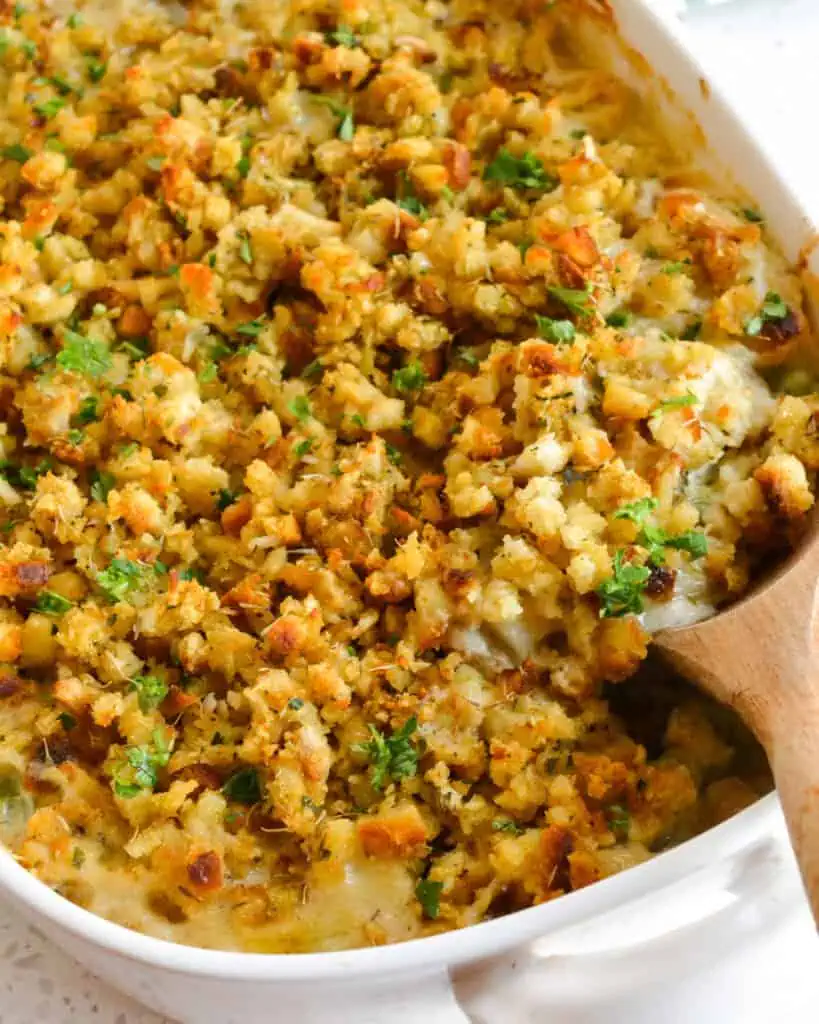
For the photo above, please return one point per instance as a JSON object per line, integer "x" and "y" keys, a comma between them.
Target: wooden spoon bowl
{"x": 761, "y": 657}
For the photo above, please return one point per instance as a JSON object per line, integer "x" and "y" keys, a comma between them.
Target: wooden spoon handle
{"x": 761, "y": 657}
{"x": 794, "y": 757}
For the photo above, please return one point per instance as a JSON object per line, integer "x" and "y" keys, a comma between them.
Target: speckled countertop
{"x": 763, "y": 54}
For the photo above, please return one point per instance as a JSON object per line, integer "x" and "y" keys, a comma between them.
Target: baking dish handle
{"x": 581, "y": 974}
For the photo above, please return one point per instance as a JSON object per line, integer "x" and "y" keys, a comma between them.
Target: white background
{"x": 765, "y": 56}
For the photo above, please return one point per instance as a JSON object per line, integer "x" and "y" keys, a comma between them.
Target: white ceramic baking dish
{"x": 721, "y": 888}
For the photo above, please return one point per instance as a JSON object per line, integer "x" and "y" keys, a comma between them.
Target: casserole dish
{"x": 196, "y": 985}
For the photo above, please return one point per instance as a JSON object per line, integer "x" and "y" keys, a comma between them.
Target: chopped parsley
{"x": 559, "y": 332}
{"x": 136, "y": 348}
{"x": 243, "y": 164}
{"x": 64, "y": 87}
{"x": 120, "y": 578}
{"x": 676, "y": 402}
{"x": 577, "y": 301}
{"x": 637, "y": 511}
{"x": 409, "y": 378}
{"x": 222, "y": 350}
{"x": 67, "y": 721}
{"x": 155, "y": 162}
{"x": 151, "y": 691}
{"x": 619, "y": 821}
{"x": 208, "y": 373}
{"x": 39, "y": 359}
{"x": 675, "y": 267}
{"x": 102, "y": 484}
{"x": 96, "y": 69}
{"x": 342, "y": 35}
{"x": 75, "y": 436}
{"x": 654, "y": 538}
{"x": 17, "y": 152}
{"x": 773, "y": 310}
{"x": 345, "y": 122}
{"x": 295, "y": 704}
{"x": 622, "y": 593}
{"x": 66, "y": 289}
{"x": 393, "y": 454}
{"x": 25, "y": 476}
{"x": 692, "y": 331}
{"x": 619, "y": 318}
{"x": 507, "y": 825}
{"x": 499, "y": 215}
{"x": 140, "y": 770}
{"x": 346, "y": 127}
{"x": 312, "y": 370}
{"x": 300, "y": 408}
{"x": 428, "y": 895}
{"x": 751, "y": 215}
{"x": 49, "y": 108}
{"x": 245, "y": 248}
{"x": 252, "y": 329}
{"x": 302, "y": 448}
{"x": 74, "y": 21}
{"x": 392, "y": 757}
{"x": 84, "y": 355}
{"x": 694, "y": 542}
{"x": 243, "y": 787}
{"x": 50, "y": 603}
{"x": 226, "y": 499}
{"x": 191, "y": 573}
{"x": 407, "y": 199}
{"x": 522, "y": 172}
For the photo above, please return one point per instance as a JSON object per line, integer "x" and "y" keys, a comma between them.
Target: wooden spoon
{"x": 761, "y": 657}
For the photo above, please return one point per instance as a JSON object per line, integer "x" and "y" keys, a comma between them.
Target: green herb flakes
{"x": 50, "y": 603}
{"x": 17, "y": 153}
{"x": 675, "y": 402}
{"x": 508, "y": 826}
{"x": 559, "y": 332}
{"x": 300, "y": 408}
{"x": 252, "y": 329}
{"x": 84, "y": 355}
{"x": 343, "y": 35}
{"x": 428, "y": 895}
{"x": 95, "y": 69}
{"x": 619, "y": 821}
{"x": 120, "y": 579}
{"x": 243, "y": 787}
{"x": 245, "y": 248}
{"x": 151, "y": 691}
{"x": 622, "y": 593}
{"x": 409, "y": 378}
{"x": 49, "y": 108}
{"x": 392, "y": 757}
{"x": 524, "y": 172}
{"x": 102, "y": 484}
{"x": 140, "y": 770}
{"x": 773, "y": 310}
